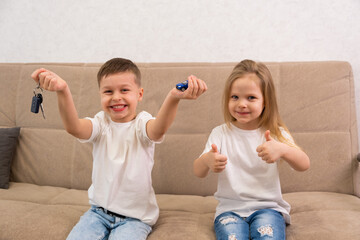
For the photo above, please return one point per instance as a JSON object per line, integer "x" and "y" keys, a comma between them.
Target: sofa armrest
{"x": 357, "y": 177}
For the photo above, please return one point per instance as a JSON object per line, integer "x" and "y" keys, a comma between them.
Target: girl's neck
{"x": 246, "y": 126}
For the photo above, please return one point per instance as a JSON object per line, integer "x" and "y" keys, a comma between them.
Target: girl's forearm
{"x": 200, "y": 169}
{"x": 296, "y": 158}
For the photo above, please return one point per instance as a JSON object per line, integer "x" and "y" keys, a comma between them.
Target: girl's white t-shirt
{"x": 123, "y": 158}
{"x": 248, "y": 183}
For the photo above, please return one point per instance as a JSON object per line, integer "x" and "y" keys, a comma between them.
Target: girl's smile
{"x": 243, "y": 113}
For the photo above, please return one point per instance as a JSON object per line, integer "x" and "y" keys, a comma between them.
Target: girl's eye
{"x": 251, "y": 98}
{"x": 234, "y": 97}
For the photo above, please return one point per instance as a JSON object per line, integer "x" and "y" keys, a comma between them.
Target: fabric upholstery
{"x": 51, "y": 170}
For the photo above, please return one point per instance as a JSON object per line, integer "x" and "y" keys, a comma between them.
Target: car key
{"x": 37, "y": 101}
{"x": 41, "y": 106}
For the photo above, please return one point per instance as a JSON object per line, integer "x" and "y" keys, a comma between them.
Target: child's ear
{"x": 141, "y": 94}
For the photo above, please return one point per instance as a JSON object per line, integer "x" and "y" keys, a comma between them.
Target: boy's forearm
{"x": 68, "y": 111}
{"x": 158, "y": 127}
{"x": 164, "y": 118}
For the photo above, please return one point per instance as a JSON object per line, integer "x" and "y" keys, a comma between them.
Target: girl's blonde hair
{"x": 270, "y": 118}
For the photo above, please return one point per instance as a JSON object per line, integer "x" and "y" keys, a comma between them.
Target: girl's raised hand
{"x": 48, "y": 80}
{"x": 271, "y": 150}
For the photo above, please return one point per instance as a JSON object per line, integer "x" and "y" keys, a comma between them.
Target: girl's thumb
{"x": 267, "y": 135}
{"x": 214, "y": 148}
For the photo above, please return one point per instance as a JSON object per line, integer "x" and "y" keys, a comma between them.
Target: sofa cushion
{"x": 28, "y": 192}
{"x": 8, "y": 141}
{"x": 182, "y": 217}
{"x": 27, "y": 220}
{"x": 323, "y": 216}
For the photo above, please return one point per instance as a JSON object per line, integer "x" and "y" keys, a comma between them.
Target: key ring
{"x": 37, "y": 87}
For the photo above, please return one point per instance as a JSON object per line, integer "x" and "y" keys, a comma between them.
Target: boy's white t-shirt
{"x": 123, "y": 158}
{"x": 248, "y": 183}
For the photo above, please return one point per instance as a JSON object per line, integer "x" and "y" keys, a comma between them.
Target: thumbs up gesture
{"x": 216, "y": 161}
{"x": 271, "y": 150}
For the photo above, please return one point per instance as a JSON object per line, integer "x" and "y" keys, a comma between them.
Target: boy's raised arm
{"x": 80, "y": 128}
{"x": 156, "y": 128}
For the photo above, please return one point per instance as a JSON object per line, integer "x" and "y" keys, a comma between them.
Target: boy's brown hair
{"x": 118, "y": 65}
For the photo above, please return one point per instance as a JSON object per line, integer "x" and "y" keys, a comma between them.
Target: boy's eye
{"x": 107, "y": 91}
{"x": 124, "y": 90}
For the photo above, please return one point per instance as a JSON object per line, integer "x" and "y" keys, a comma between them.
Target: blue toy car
{"x": 182, "y": 86}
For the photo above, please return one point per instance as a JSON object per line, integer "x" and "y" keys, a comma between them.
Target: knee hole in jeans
{"x": 227, "y": 220}
{"x": 266, "y": 231}
{"x": 232, "y": 237}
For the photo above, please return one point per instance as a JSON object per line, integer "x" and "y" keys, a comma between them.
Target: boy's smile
{"x": 120, "y": 95}
{"x": 118, "y": 108}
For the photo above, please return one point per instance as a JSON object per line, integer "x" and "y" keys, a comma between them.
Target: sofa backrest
{"x": 316, "y": 101}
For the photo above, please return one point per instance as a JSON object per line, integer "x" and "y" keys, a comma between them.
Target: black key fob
{"x": 35, "y": 103}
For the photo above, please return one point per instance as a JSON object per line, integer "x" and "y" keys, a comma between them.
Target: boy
{"x": 123, "y": 203}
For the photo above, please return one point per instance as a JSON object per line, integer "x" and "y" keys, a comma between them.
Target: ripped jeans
{"x": 262, "y": 224}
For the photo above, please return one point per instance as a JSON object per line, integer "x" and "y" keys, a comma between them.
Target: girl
{"x": 245, "y": 151}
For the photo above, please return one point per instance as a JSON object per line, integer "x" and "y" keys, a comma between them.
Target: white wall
{"x": 181, "y": 31}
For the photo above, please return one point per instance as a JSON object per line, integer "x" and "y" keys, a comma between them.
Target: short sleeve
{"x": 141, "y": 122}
{"x": 214, "y": 138}
{"x": 289, "y": 139}
{"x": 96, "y": 126}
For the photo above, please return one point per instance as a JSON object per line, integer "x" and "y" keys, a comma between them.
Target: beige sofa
{"x": 51, "y": 170}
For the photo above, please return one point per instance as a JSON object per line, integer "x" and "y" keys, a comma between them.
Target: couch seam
{"x": 45, "y": 204}
{"x": 322, "y": 210}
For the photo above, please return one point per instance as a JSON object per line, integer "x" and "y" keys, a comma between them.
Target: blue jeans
{"x": 96, "y": 224}
{"x": 262, "y": 224}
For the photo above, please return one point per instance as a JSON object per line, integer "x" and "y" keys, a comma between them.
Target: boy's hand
{"x": 196, "y": 87}
{"x": 48, "y": 80}
{"x": 216, "y": 161}
{"x": 271, "y": 150}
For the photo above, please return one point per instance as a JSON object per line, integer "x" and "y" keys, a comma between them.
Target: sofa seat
{"x": 323, "y": 215}
{"x": 30, "y": 208}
